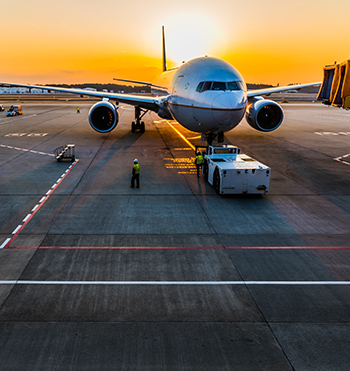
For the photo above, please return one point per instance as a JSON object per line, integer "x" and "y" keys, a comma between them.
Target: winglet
{"x": 164, "y": 53}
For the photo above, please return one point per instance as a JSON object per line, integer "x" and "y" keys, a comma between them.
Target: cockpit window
{"x": 199, "y": 87}
{"x": 233, "y": 85}
{"x": 218, "y": 85}
{"x": 242, "y": 85}
{"x": 206, "y": 86}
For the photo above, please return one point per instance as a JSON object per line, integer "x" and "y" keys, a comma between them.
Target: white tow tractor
{"x": 231, "y": 172}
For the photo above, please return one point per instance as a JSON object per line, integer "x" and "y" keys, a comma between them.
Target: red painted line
{"x": 186, "y": 247}
{"x": 288, "y": 247}
{"x": 37, "y": 208}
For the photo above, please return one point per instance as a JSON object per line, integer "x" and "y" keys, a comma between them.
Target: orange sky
{"x": 72, "y": 41}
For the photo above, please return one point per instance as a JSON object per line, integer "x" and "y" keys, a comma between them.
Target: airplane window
{"x": 206, "y": 86}
{"x": 242, "y": 85}
{"x": 199, "y": 87}
{"x": 233, "y": 85}
{"x": 218, "y": 86}
{"x": 236, "y": 85}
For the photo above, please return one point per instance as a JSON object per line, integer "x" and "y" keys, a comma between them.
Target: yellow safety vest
{"x": 137, "y": 169}
{"x": 199, "y": 160}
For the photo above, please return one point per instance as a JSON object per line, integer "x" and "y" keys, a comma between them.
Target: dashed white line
{"x": 18, "y": 227}
{"x": 26, "y": 218}
{"x": 294, "y": 283}
{"x": 5, "y": 243}
{"x": 42, "y": 199}
{"x": 26, "y": 150}
{"x": 35, "y": 207}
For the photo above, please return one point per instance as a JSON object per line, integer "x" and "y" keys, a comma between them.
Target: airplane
{"x": 205, "y": 95}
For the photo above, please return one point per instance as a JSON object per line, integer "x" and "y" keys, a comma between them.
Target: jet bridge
{"x": 335, "y": 88}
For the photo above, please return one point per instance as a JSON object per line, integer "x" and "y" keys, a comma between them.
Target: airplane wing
{"x": 146, "y": 102}
{"x": 254, "y": 93}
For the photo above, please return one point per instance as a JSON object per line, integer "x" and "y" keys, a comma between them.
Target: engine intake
{"x": 103, "y": 117}
{"x": 264, "y": 115}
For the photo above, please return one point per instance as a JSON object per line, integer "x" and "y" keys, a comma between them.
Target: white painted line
{"x": 26, "y": 218}
{"x": 294, "y": 283}
{"x": 43, "y": 199}
{"x": 18, "y": 227}
{"x": 35, "y": 207}
{"x": 5, "y": 243}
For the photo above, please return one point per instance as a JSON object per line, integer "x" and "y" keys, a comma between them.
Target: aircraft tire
{"x": 142, "y": 127}
{"x": 133, "y": 128}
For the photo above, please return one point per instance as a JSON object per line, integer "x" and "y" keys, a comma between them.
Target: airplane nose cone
{"x": 226, "y": 107}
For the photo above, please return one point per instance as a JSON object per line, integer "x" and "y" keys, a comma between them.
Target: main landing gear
{"x": 138, "y": 124}
{"x": 210, "y": 136}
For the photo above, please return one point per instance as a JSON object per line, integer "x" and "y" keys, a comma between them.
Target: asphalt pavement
{"x": 95, "y": 275}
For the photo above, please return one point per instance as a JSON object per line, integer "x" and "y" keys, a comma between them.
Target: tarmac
{"x": 95, "y": 275}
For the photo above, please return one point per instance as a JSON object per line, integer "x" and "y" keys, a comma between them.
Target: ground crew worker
{"x": 135, "y": 174}
{"x": 78, "y": 109}
{"x": 199, "y": 162}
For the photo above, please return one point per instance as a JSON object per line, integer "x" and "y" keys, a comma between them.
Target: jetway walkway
{"x": 335, "y": 88}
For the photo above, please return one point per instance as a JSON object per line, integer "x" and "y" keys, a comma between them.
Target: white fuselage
{"x": 203, "y": 107}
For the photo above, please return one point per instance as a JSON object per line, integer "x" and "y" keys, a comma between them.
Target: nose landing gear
{"x": 138, "y": 124}
{"x": 210, "y": 136}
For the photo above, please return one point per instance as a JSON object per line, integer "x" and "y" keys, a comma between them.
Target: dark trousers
{"x": 199, "y": 167}
{"x": 137, "y": 178}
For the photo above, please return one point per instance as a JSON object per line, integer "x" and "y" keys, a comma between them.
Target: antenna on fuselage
{"x": 164, "y": 53}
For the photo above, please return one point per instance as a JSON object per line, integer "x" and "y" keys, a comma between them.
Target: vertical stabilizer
{"x": 164, "y": 53}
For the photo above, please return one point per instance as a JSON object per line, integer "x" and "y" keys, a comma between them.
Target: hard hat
{"x": 136, "y": 160}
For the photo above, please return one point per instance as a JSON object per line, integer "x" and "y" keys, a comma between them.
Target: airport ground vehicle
{"x": 2, "y": 108}
{"x": 230, "y": 172}
{"x": 14, "y": 110}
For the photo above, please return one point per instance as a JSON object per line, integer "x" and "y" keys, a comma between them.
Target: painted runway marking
{"x": 27, "y": 150}
{"x": 36, "y": 208}
{"x": 17, "y": 229}
{"x": 327, "y": 117}
{"x": 178, "y": 283}
{"x": 182, "y": 137}
{"x": 187, "y": 247}
{"x": 340, "y": 159}
{"x": 332, "y": 133}
{"x": 27, "y": 217}
{"x": 5, "y": 243}
{"x": 13, "y": 118}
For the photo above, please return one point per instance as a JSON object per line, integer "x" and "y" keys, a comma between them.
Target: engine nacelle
{"x": 264, "y": 115}
{"x": 103, "y": 117}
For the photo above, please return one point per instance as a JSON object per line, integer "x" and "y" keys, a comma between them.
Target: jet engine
{"x": 103, "y": 117}
{"x": 264, "y": 115}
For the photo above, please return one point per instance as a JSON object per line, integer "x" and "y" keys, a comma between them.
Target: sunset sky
{"x": 75, "y": 41}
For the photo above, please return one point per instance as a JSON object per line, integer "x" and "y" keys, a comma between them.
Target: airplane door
{"x": 177, "y": 84}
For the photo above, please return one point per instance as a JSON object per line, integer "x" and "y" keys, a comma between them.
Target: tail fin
{"x": 164, "y": 53}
